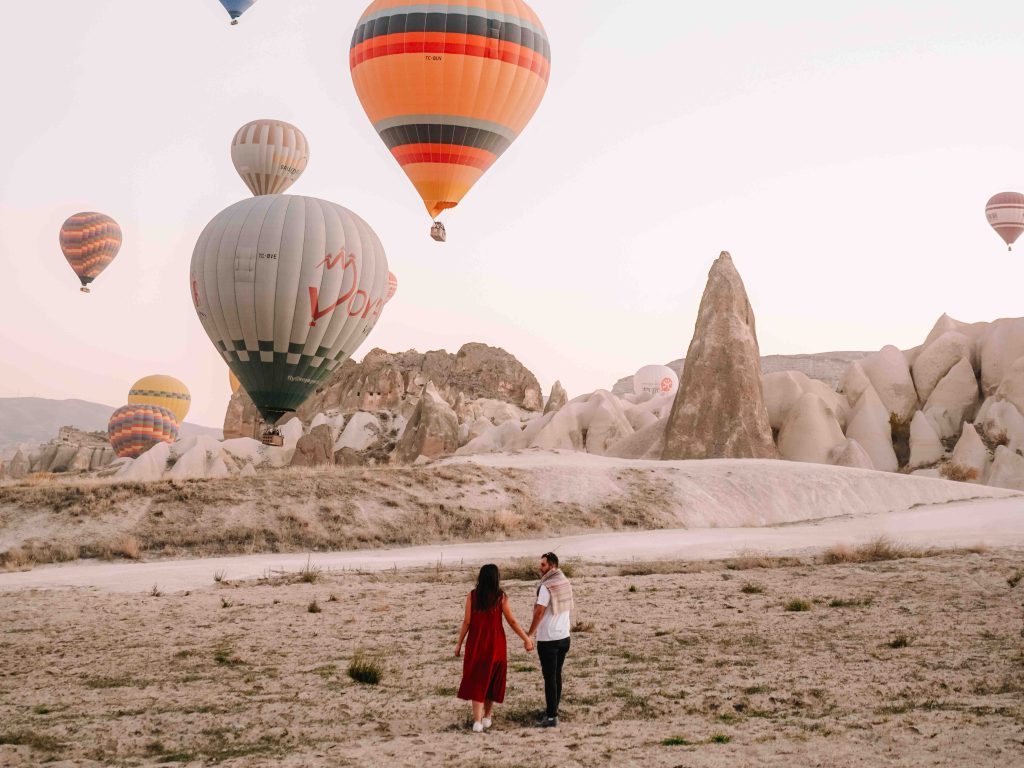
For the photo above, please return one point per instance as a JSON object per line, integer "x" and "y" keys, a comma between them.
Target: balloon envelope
{"x": 282, "y": 313}
{"x": 1005, "y": 212}
{"x": 90, "y": 241}
{"x": 269, "y": 155}
{"x": 449, "y": 86}
{"x": 164, "y": 391}
{"x": 392, "y": 287}
{"x": 655, "y": 380}
{"x": 134, "y": 429}
{"x": 236, "y": 8}
{"x": 233, "y": 381}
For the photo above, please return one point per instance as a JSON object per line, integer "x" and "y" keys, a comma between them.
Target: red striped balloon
{"x": 134, "y": 429}
{"x": 90, "y": 241}
{"x": 1005, "y": 212}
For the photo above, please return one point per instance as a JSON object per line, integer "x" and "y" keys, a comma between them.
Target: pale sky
{"x": 843, "y": 153}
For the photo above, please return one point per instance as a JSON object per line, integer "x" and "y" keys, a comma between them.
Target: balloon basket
{"x": 437, "y": 232}
{"x": 273, "y": 438}
{"x": 83, "y": 289}
{"x": 234, "y": 22}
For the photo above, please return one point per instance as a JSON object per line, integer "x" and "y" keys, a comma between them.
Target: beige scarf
{"x": 560, "y": 588}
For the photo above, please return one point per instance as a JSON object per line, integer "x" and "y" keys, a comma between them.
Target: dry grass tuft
{"x": 798, "y": 604}
{"x": 876, "y": 550}
{"x": 958, "y": 473}
{"x": 366, "y": 670}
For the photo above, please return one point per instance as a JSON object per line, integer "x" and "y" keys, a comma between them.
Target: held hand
{"x": 458, "y": 650}
{"x": 528, "y": 644}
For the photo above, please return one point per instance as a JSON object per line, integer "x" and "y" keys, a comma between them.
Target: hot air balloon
{"x": 134, "y": 429}
{"x": 233, "y": 381}
{"x": 287, "y": 288}
{"x": 392, "y": 287}
{"x": 1005, "y": 213}
{"x": 269, "y": 155}
{"x": 655, "y": 380}
{"x": 164, "y": 391}
{"x": 236, "y": 8}
{"x": 90, "y": 241}
{"x": 449, "y": 86}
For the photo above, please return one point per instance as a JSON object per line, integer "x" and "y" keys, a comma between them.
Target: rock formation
{"x": 432, "y": 432}
{"x": 810, "y": 431}
{"x": 869, "y": 426}
{"x": 925, "y": 446}
{"x": 315, "y": 449}
{"x": 889, "y": 374}
{"x": 556, "y": 399}
{"x": 954, "y": 400}
{"x": 719, "y": 410}
{"x": 386, "y": 381}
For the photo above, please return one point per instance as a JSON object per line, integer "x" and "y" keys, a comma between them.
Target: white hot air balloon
{"x": 281, "y": 313}
{"x": 655, "y": 380}
{"x": 269, "y": 155}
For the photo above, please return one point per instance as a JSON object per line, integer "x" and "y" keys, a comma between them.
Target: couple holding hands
{"x": 485, "y": 665}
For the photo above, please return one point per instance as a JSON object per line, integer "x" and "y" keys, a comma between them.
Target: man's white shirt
{"x": 551, "y": 627}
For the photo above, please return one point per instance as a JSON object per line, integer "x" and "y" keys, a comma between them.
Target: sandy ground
{"x": 702, "y": 668}
{"x": 990, "y": 522}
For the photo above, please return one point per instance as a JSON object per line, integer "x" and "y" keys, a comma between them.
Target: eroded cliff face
{"x": 395, "y": 381}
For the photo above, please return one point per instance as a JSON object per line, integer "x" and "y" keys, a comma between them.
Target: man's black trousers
{"x": 552, "y": 656}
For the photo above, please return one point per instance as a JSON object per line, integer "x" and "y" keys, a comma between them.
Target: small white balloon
{"x": 655, "y": 380}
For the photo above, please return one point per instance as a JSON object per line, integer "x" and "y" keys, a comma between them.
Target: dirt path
{"x": 991, "y": 522}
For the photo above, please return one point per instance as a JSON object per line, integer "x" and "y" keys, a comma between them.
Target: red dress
{"x": 486, "y": 660}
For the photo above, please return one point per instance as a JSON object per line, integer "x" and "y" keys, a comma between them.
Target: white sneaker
{"x": 478, "y": 727}
{"x": 486, "y": 723}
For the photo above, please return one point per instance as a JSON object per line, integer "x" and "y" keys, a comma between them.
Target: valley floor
{"x": 904, "y": 662}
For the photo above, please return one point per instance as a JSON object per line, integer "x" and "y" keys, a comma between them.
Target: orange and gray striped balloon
{"x": 90, "y": 241}
{"x": 449, "y": 85}
{"x": 134, "y": 429}
{"x": 1005, "y": 212}
{"x": 269, "y": 155}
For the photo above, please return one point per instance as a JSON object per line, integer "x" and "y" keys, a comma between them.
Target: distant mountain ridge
{"x": 38, "y": 419}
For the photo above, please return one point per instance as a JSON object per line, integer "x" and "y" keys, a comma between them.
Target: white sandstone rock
{"x": 1007, "y": 470}
{"x": 936, "y": 360}
{"x": 1000, "y": 420}
{"x": 954, "y": 400}
{"x": 1001, "y": 346}
{"x": 945, "y": 324}
{"x": 869, "y": 426}
{"x": 970, "y": 454}
{"x": 291, "y": 432}
{"x": 810, "y": 432}
{"x": 1011, "y": 388}
{"x": 362, "y": 431}
{"x": 498, "y": 438}
{"x": 854, "y": 382}
{"x": 149, "y": 467}
{"x": 783, "y": 389}
{"x": 925, "y": 446}
{"x": 850, "y": 454}
{"x": 646, "y": 443}
{"x": 890, "y": 376}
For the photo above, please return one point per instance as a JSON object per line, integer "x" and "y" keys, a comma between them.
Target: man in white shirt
{"x": 550, "y": 628}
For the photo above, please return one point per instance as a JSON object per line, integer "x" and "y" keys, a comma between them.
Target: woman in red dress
{"x": 486, "y": 660}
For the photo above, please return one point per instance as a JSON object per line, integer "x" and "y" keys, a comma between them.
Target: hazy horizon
{"x": 842, "y": 155}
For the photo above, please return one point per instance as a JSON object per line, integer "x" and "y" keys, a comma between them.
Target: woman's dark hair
{"x": 488, "y": 587}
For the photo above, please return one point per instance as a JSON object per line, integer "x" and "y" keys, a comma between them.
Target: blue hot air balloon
{"x": 236, "y": 8}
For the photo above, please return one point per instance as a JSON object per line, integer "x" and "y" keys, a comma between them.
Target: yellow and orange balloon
{"x": 164, "y": 392}
{"x": 450, "y": 89}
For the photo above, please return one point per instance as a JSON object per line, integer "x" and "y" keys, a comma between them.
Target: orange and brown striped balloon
{"x": 449, "y": 85}
{"x": 90, "y": 241}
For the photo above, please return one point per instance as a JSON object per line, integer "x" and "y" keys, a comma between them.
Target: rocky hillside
{"x": 828, "y": 367}
{"x": 386, "y": 381}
